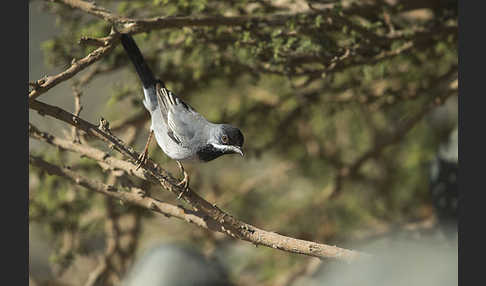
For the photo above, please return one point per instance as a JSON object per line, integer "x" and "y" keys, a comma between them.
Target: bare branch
{"x": 133, "y": 26}
{"x": 102, "y": 157}
{"x": 134, "y": 196}
{"x": 43, "y": 85}
{"x": 108, "y": 270}
{"x": 227, "y": 223}
{"x": 77, "y": 110}
{"x": 91, "y": 8}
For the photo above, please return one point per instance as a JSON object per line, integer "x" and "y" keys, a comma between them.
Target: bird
{"x": 180, "y": 131}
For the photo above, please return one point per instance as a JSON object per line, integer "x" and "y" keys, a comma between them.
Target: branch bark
{"x": 225, "y": 222}
{"x": 134, "y": 26}
{"x": 134, "y": 196}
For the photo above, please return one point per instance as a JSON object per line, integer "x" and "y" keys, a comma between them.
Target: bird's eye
{"x": 224, "y": 139}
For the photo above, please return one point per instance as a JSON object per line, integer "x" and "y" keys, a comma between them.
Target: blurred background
{"x": 350, "y": 140}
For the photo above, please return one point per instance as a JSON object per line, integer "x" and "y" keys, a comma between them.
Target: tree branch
{"x": 133, "y": 26}
{"x": 227, "y": 223}
{"x": 41, "y": 86}
{"x": 134, "y": 196}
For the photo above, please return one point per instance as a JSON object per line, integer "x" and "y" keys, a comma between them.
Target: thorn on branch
{"x": 34, "y": 84}
{"x": 42, "y": 80}
{"x": 104, "y": 125}
{"x": 141, "y": 193}
{"x": 111, "y": 188}
{"x": 113, "y": 30}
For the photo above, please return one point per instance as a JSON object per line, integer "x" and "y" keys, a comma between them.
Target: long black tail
{"x": 143, "y": 71}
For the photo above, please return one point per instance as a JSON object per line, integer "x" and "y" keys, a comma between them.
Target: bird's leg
{"x": 142, "y": 159}
{"x": 185, "y": 181}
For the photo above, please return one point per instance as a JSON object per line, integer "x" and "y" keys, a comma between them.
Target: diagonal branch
{"x": 227, "y": 223}
{"x": 132, "y": 25}
{"x": 134, "y": 196}
{"x": 91, "y": 8}
{"x": 41, "y": 86}
{"x": 102, "y": 157}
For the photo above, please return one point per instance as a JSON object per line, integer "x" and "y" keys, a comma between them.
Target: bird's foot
{"x": 142, "y": 159}
{"x": 184, "y": 182}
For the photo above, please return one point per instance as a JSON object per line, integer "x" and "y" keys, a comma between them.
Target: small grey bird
{"x": 181, "y": 132}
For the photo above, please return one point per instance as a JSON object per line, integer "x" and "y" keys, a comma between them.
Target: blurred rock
{"x": 395, "y": 263}
{"x": 174, "y": 265}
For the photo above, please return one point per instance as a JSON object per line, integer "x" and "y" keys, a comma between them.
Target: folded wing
{"x": 182, "y": 121}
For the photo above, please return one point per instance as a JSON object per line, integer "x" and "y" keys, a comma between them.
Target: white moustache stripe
{"x": 228, "y": 148}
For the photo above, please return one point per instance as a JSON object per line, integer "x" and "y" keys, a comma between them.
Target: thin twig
{"x": 77, "y": 110}
{"x": 134, "y": 196}
{"x": 49, "y": 82}
{"x": 108, "y": 270}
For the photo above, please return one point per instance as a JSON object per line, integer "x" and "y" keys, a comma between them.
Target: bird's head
{"x": 224, "y": 139}
{"x": 228, "y": 139}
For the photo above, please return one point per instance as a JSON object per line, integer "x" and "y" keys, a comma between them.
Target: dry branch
{"x": 224, "y": 222}
{"x": 116, "y": 258}
{"x": 43, "y": 85}
{"x": 133, "y": 26}
{"x": 134, "y": 196}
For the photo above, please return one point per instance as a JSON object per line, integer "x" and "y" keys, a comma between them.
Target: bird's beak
{"x": 241, "y": 152}
{"x": 236, "y": 149}
{"x": 229, "y": 149}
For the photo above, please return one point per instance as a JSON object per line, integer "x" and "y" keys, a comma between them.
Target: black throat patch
{"x": 208, "y": 153}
